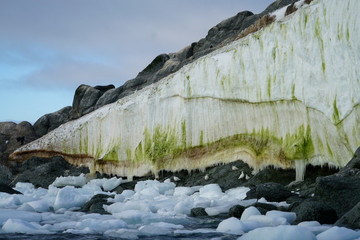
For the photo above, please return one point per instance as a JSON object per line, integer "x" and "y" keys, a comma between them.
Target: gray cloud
{"x": 64, "y": 43}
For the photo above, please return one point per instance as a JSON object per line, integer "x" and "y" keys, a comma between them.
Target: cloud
{"x": 60, "y": 44}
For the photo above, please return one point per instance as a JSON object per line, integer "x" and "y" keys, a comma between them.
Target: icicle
{"x": 300, "y": 168}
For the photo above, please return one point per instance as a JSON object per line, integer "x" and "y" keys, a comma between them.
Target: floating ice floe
{"x": 152, "y": 209}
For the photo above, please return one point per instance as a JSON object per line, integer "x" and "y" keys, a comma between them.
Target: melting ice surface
{"x": 153, "y": 210}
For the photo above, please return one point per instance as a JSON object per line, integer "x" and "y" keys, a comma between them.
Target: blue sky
{"x": 48, "y": 48}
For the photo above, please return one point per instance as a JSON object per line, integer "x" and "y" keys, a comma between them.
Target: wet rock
{"x": 124, "y": 186}
{"x": 311, "y": 210}
{"x": 43, "y": 171}
{"x": 7, "y": 189}
{"x": 198, "y": 212}
{"x": 273, "y": 192}
{"x": 341, "y": 191}
{"x": 271, "y": 174}
{"x": 6, "y": 175}
{"x": 95, "y": 204}
{"x": 351, "y": 219}
{"x": 264, "y": 207}
{"x": 236, "y": 211}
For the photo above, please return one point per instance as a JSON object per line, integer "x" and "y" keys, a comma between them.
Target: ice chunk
{"x": 158, "y": 186}
{"x": 238, "y": 193}
{"x": 231, "y": 225}
{"x": 266, "y": 221}
{"x": 36, "y": 206}
{"x": 184, "y": 191}
{"x": 250, "y": 211}
{"x": 314, "y": 226}
{"x": 160, "y": 228}
{"x": 6, "y": 214}
{"x": 135, "y": 216}
{"x": 21, "y": 226}
{"x": 112, "y": 183}
{"x": 9, "y": 201}
{"x": 289, "y": 216}
{"x": 279, "y": 233}
{"x": 100, "y": 225}
{"x": 69, "y": 197}
{"x": 338, "y": 233}
{"x": 213, "y": 211}
{"x": 77, "y": 181}
{"x": 123, "y": 233}
{"x": 212, "y": 191}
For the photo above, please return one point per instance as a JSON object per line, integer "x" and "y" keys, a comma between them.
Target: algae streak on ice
{"x": 287, "y": 96}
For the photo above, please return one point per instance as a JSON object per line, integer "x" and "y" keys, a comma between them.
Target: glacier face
{"x": 286, "y": 95}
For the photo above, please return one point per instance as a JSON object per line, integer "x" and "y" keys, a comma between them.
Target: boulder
{"x": 198, "y": 212}
{"x": 351, "y": 219}
{"x": 84, "y": 100}
{"x": 95, "y": 204}
{"x": 42, "y": 172}
{"x": 124, "y": 186}
{"x": 341, "y": 191}
{"x": 50, "y": 121}
{"x": 272, "y": 174}
{"x": 236, "y": 211}
{"x": 273, "y": 192}
{"x": 311, "y": 210}
{"x": 109, "y": 96}
{"x": 13, "y": 136}
{"x": 7, "y": 189}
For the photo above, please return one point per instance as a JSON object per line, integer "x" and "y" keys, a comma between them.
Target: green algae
{"x": 336, "y": 116}
{"x": 299, "y": 145}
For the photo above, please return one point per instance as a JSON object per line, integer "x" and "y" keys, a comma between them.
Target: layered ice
{"x": 287, "y": 93}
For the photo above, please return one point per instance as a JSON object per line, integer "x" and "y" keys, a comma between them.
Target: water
{"x": 102, "y": 237}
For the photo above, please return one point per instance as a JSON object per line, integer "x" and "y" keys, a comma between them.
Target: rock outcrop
{"x": 284, "y": 96}
{"x": 13, "y": 136}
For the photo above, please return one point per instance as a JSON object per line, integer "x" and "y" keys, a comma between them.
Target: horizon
{"x": 49, "y": 48}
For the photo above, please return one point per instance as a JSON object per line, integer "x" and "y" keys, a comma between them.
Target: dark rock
{"x": 13, "y": 136}
{"x": 109, "y": 96}
{"x": 354, "y": 163}
{"x": 351, "y": 219}
{"x": 273, "y": 192}
{"x": 198, "y": 212}
{"x": 6, "y": 175}
{"x": 51, "y": 121}
{"x": 84, "y": 100}
{"x": 222, "y": 174}
{"x": 6, "y": 189}
{"x": 125, "y": 186}
{"x": 43, "y": 171}
{"x": 236, "y": 211}
{"x": 264, "y": 207}
{"x": 311, "y": 210}
{"x": 95, "y": 204}
{"x": 104, "y": 88}
{"x": 271, "y": 174}
{"x": 340, "y": 192}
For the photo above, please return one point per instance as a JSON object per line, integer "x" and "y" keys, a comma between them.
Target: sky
{"x": 49, "y": 47}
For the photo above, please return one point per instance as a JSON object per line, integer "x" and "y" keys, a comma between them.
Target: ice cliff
{"x": 287, "y": 95}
